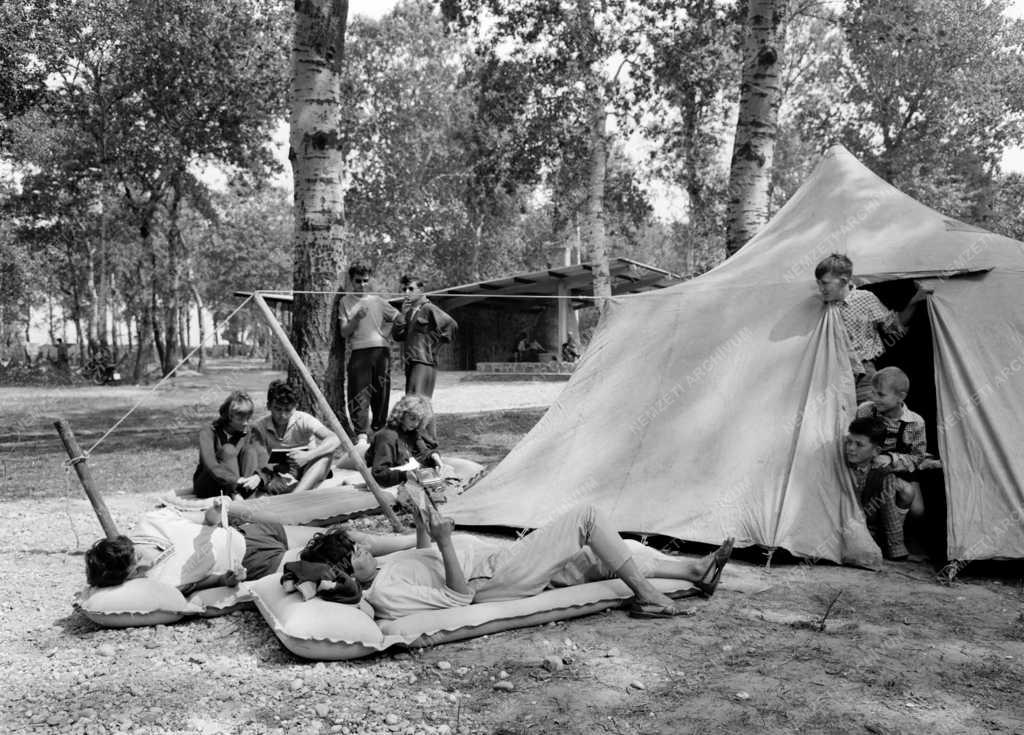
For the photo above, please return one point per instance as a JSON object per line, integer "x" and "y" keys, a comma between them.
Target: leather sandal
{"x": 709, "y": 582}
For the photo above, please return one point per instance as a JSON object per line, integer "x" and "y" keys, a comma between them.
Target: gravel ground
{"x": 63, "y": 674}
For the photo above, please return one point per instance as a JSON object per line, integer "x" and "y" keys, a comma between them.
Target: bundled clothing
{"x": 327, "y": 581}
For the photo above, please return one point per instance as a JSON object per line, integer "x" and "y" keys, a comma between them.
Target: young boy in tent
{"x": 576, "y": 547}
{"x": 228, "y": 459}
{"x": 904, "y": 450}
{"x": 869, "y": 325}
{"x": 883, "y": 496}
{"x": 299, "y": 445}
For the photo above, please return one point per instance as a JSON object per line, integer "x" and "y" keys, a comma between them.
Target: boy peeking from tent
{"x": 870, "y": 326}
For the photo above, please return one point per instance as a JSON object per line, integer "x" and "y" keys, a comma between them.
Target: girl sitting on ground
{"x": 228, "y": 458}
{"x": 406, "y": 443}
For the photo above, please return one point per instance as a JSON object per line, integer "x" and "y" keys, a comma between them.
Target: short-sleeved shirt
{"x": 413, "y": 580}
{"x": 301, "y": 430}
{"x": 373, "y": 329}
{"x": 866, "y": 319}
{"x": 186, "y": 551}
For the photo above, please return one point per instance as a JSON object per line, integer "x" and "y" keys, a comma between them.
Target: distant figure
{"x": 300, "y": 446}
{"x": 423, "y": 327}
{"x": 868, "y": 323}
{"x": 571, "y": 348}
{"x": 366, "y": 321}
{"x": 62, "y": 363}
{"x": 228, "y": 459}
{"x": 528, "y": 350}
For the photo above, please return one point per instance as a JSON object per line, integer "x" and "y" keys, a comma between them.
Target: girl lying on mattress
{"x": 576, "y": 547}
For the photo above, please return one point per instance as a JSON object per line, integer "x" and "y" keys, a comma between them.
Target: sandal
{"x": 653, "y": 610}
{"x": 709, "y": 582}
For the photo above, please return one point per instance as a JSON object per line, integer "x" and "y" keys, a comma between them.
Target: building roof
{"x": 513, "y": 292}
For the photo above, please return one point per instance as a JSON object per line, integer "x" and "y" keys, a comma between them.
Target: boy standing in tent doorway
{"x": 904, "y": 450}
{"x": 870, "y": 326}
{"x": 365, "y": 320}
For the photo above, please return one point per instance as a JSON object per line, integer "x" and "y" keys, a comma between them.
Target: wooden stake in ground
{"x": 327, "y": 411}
{"x": 77, "y": 460}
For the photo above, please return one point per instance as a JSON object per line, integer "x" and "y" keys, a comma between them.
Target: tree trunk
{"x": 756, "y": 127}
{"x": 202, "y": 326}
{"x": 318, "y": 171}
{"x": 597, "y": 247}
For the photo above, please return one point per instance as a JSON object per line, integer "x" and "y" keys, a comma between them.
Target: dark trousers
{"x": 369, "y": 388}
{"x": 238, "y": 461}
{"x": 420, "y": 378}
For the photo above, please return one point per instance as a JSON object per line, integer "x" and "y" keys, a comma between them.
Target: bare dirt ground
{"x": 895, "y": 653}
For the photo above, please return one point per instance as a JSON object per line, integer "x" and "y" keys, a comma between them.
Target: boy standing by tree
{"x": 870, "y": 326}
{"x": 423, "y": 327}
{"x": 365, "y": 320}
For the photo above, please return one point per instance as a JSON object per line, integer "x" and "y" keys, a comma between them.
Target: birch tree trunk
{"x": 595, "y": 201}
{"x": 597, "y": 247}
{"x": 318, "y": 170}
{"x": 754, "y": 148}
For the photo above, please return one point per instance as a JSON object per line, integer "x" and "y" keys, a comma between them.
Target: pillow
{"x": 317, "y": 629}
{"x": 136, "y": 602}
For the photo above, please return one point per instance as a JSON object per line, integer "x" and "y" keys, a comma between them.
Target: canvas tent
{"x": 716, "y": 407}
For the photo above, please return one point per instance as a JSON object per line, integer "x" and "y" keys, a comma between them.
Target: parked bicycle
{"x": 100, "y": 368}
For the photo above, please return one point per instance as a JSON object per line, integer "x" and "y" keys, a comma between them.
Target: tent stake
{"x": 77, "y": 460}
{"x": 327, "y": 411}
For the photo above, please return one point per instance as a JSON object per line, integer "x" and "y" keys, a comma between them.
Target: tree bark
{"x": 753, "y": 151}
{"x": 318, "y": 171}
{"x": 597, "y": 245}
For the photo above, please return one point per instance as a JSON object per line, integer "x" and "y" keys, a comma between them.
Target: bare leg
{"x": 313, "y": 474}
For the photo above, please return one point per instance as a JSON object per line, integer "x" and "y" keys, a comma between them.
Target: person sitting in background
{"x": 228, "y": 459}
{"x": 405, "y": 444}
{"x": 528, "y": 350}
{"x": 300, "y": 446}
{"x": 571, "y": 348}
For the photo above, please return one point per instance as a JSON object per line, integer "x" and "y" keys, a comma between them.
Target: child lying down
{"x": 224, "y": 550}
{"x": 445, "y": 571}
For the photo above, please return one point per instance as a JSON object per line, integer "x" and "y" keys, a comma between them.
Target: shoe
{"x": 651, "y": 610}
{"x": 709, "y": 582}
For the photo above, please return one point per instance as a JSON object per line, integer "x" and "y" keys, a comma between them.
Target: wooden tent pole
{"x": 327, "y": 411}
{"x": 77, "y": 460}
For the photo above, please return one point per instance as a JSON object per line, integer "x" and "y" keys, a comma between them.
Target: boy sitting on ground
{"x": 882, "y": 495}
{"x": 300, "y": 446}
{"x": 904, "y": 451}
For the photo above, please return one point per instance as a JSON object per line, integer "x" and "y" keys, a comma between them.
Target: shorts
{"x": 265, "y": 544}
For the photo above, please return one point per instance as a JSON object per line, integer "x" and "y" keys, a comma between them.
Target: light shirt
{"x": 413, "y": 580}
{"x": 373, "y": 329}
{"x": 183, "y": 551}
{"x": 299, "y": 434}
